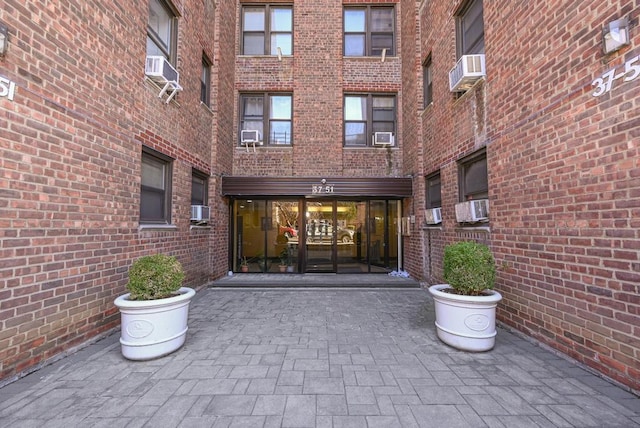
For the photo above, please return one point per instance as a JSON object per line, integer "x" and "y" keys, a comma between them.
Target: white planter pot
{"x": 153, "y": 328}
{"x": 465, "y": 322}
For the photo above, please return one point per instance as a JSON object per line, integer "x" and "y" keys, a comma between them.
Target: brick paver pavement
{"x": 316, "y": 358}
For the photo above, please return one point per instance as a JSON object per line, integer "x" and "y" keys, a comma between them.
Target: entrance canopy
{"x": 400, "y": 187}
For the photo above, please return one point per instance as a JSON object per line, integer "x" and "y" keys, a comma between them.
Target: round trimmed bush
{"x": 155, "y": 277}
{"x": 469, "y": 268}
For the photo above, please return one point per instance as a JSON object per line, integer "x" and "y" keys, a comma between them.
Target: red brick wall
{"x": 412, "y": 137}
{"x": 318, "y": 75}
{"x": 222, "y": 145}
{"x": 70, "y": 155}
{"x": 563, "y": 167}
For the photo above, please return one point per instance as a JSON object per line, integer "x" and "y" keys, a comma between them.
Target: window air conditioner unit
{"x": 433, "y": 215}
{"x": 468, "y": 70}
{"x": 383, "y": 139}
{"x": 249, "y": 137}
{"x": 160, "y": 70}
{"x": 472, "y": 211}
{"x": 200, "y": 213}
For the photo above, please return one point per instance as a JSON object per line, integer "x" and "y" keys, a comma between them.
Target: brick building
{"x": 320, "y": 135}
{"x": 555, "y": 150}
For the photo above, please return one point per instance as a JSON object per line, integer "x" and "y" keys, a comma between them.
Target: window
{"x": 205, "y": 82}
{"x": 473, "y": 177}
{"x": 199, "y": 188}
{"x": 155, "y": 188}
{"x": 427, "y": 83}
{"x": 365, "y": 115}
{"x": 162, "y": 32}
{"x": 368, "y": 30}
{"x": 434, "y": 195}
{"x": 273, "y": 111}
{"x": 267, "y": 28}
{"x": 470, "y": 29}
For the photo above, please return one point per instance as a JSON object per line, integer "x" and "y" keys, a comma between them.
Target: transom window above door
{"x": 267, "y": 30}
{"x": 369, "y": 30}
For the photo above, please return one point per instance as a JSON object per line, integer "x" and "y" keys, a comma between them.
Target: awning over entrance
{"x": 400, "y": 187}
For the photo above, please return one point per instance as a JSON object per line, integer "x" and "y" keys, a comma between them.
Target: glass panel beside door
{"x": 265, "y": 236}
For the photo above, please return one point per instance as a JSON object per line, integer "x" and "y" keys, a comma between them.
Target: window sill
{"x": 485, "y": 228}
{"x": 199, "y": 227}
{"x": 377, "y": 58}
{"x": 433, "y": 227}
{"x": 157, "y": 227}
{"x": 371, "y": 147}
{"x": 426, "y": 108}
{"x": 243, "y": 56}
{"x": 262, "y": 146}
{"x": 208, "y": 108}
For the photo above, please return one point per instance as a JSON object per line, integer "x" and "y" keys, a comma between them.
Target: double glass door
{"x": 321, "y": 235}
{"x": 350, "y": 236}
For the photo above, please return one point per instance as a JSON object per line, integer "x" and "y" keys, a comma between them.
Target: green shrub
{"x": 155, "y": 277}
{"x": 469, "y": 268}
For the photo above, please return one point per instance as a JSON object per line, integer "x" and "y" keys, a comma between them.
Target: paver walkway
{"x": 316, "y": 358}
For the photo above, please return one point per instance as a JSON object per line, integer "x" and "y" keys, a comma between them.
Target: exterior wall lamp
{"x": 4, "y": 39}
{"x": 615, "y": 35}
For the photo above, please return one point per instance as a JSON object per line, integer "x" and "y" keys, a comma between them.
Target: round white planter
{"x": 153, "y": 328}
{"x": 465, "y": 322}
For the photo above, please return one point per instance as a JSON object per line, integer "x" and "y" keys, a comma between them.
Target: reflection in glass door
{"x": 383, "y": 235}
{"x": 265, "y": 236}
{"x": 377, "y": 230}
{"x": 320, "y": 236}
{"x": 351, "y": 256}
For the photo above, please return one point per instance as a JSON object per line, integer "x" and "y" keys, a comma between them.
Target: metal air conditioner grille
{"x": 159, "y": 69}
{"x": 200, "y": 213}
{"x": 468, "y": 70}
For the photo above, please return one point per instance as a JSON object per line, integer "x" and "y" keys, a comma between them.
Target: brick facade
{"x": 563, "y": 165}
{"x": 70, "y": 160}
{"x": 562, "y": 170}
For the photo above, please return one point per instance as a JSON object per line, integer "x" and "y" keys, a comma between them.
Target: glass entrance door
{"x": 350, "y": 236}
{"x": 320, "y": 235}
{"x": 315, "y": 235}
